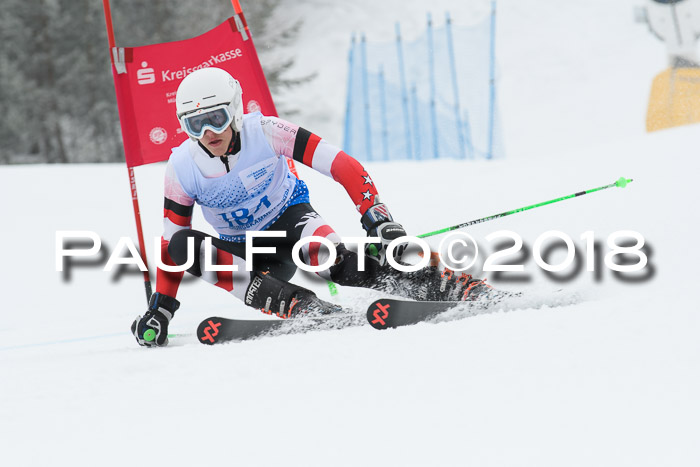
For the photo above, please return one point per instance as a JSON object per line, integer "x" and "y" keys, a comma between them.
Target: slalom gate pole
{"x": 237, "y": 7}
{"x": 433, "y": 91}
{"x": 132, "y": 177}
{"x": 621, "y": 182}
{"x": 365, "y": 96}
{"x": 404, "y": 93}
{"x": 492, "y": 80}
{"x": 382, "y": 110}
{"x": 347, "y": 136}
{"x": 455, "y": 86}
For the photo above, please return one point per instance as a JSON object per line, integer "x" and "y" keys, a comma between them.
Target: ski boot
{"x": 432, "y": 284}
{"x": 283, "y": 299}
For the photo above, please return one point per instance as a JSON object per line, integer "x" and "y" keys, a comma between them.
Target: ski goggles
{"x": 217, "y": 119}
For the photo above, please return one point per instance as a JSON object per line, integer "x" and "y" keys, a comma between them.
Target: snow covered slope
{"x": 610, "y": 380}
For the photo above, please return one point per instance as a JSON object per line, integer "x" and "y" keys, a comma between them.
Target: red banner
{"x": 146, "y": 80}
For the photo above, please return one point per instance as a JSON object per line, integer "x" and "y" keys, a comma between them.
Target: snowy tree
{"x": 56, "y": 88}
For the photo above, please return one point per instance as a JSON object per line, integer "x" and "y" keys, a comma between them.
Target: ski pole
{"x": 621, "y": 182}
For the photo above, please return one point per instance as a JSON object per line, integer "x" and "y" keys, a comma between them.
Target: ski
{"x": 391, "y": 313}
{"x": 381, "y": 314}
{"x": 215, "y": 330}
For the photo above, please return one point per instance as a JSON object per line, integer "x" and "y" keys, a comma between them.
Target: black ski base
{"x": 215, "y": 329}
{"x": 392, "y": 313}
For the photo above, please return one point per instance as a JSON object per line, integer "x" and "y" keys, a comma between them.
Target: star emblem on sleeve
{"x": 367, "y": 180}
{"x": 367, "y": 195}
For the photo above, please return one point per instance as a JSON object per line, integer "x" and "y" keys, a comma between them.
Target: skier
{"x": 235, "y": 167}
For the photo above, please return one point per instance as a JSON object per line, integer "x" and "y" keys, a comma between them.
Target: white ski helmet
{"x": 204, "y": 89}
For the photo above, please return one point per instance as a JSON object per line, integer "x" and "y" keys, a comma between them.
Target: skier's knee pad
{"x": 272, "y": 295}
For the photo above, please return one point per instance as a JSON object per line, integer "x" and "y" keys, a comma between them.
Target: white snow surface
{"x": 609, "y": 380}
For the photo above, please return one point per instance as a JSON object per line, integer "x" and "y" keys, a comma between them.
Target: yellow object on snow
{"x": 674, "y": 99}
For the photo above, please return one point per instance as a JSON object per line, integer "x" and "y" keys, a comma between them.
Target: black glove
{"x": 377, "y": 221}
{"x": 152, "y": 329}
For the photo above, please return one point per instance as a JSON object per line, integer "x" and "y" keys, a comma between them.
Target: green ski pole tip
{"x": 333, "y": 289}
{"x": 149, "y": 335}
{"x": 622, "y": 182}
